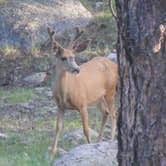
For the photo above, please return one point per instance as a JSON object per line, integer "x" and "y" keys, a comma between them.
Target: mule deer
{"x": 77, "y": 87}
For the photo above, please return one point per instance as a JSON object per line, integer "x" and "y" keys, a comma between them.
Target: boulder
{"x": 24, "y": 22}
{"x": 77, "y": 136}
{"x": 35, "y": 79}
{"x": 100, "y": 154}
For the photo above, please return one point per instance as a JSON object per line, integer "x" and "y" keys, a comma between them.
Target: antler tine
{"x": 51, "y": 33}
{"x": 78, "y": 35}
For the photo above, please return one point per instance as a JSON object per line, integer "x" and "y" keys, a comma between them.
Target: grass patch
{"x": 72, "y": 121}
{"x": 3, "y": 1}
{"x": 26, "y": 149}
{"x": 17, "y": 95}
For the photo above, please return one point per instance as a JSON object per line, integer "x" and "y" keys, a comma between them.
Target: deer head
{"x": 64, "y": 57}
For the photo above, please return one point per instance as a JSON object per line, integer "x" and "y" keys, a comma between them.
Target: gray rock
{"x": 99, "y": 6}
{"x": 77, "y": 136}
{"x": 23, "y": 22}
{"x": 36, "y": 78}
{"x": 4, "y": 136}
{"x": 44, "y": 91}
{"x": 100, "y": 154}
{"x": 61, "y": 152}
{"x": 113, "y": 56}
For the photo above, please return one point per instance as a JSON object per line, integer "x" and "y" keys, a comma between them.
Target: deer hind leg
{"x": 84, "y": 116}
{"x": 105, "y": 114}
{"x": 59, "y": 125}
{"x": 111, "y": 106}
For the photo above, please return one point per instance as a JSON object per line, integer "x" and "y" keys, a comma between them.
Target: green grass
{"x": 17, "y": 95}
{"x": 25, "y": 149}
{"x": 3, "y": 1}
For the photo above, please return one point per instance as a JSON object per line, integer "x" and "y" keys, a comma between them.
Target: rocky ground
{"x": 24, "y": 22}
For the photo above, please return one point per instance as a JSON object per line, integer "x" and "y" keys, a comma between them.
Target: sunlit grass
{"x": 10, "y": 52}
{"x": 3, "y": 1}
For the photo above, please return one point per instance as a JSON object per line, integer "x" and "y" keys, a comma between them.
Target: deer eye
{"x": 63, "y": 58}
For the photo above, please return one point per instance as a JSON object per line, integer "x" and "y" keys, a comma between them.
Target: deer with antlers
{"x": 77, "y": 87}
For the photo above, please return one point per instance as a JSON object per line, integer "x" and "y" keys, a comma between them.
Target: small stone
{"x": 36, "y": 78}
{"x": 44, "y": 91}
{"x": 4, "y": 136}
{"x": 112, "y": 56}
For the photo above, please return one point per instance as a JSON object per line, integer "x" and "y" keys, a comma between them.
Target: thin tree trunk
{"x": 142, "y": 67}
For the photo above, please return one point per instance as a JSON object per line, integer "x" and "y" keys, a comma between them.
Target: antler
{"x": 77, "y": 36}
{"x": 51, "y": 33}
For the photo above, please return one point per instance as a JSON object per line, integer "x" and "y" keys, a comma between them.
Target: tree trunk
{"x": 142, "y": 68}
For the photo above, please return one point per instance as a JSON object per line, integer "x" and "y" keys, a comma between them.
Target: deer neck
{"x": 62, "y": 84}
{"x": 62, "y": 79}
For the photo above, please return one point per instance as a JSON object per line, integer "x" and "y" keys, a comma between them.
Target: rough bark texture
{"x": 142, "y": 69}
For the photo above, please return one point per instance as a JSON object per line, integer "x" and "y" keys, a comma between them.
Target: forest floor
{"x": 27, "y": 114}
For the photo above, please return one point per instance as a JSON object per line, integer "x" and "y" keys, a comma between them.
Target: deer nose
{"x": 76, "y": 70}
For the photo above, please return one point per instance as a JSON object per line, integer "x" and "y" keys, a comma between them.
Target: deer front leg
{"x": 59, "y": 125}
{"x": 84, "y": 116}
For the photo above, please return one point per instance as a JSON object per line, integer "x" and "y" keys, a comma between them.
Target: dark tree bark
{"x": 142, "y": 68}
